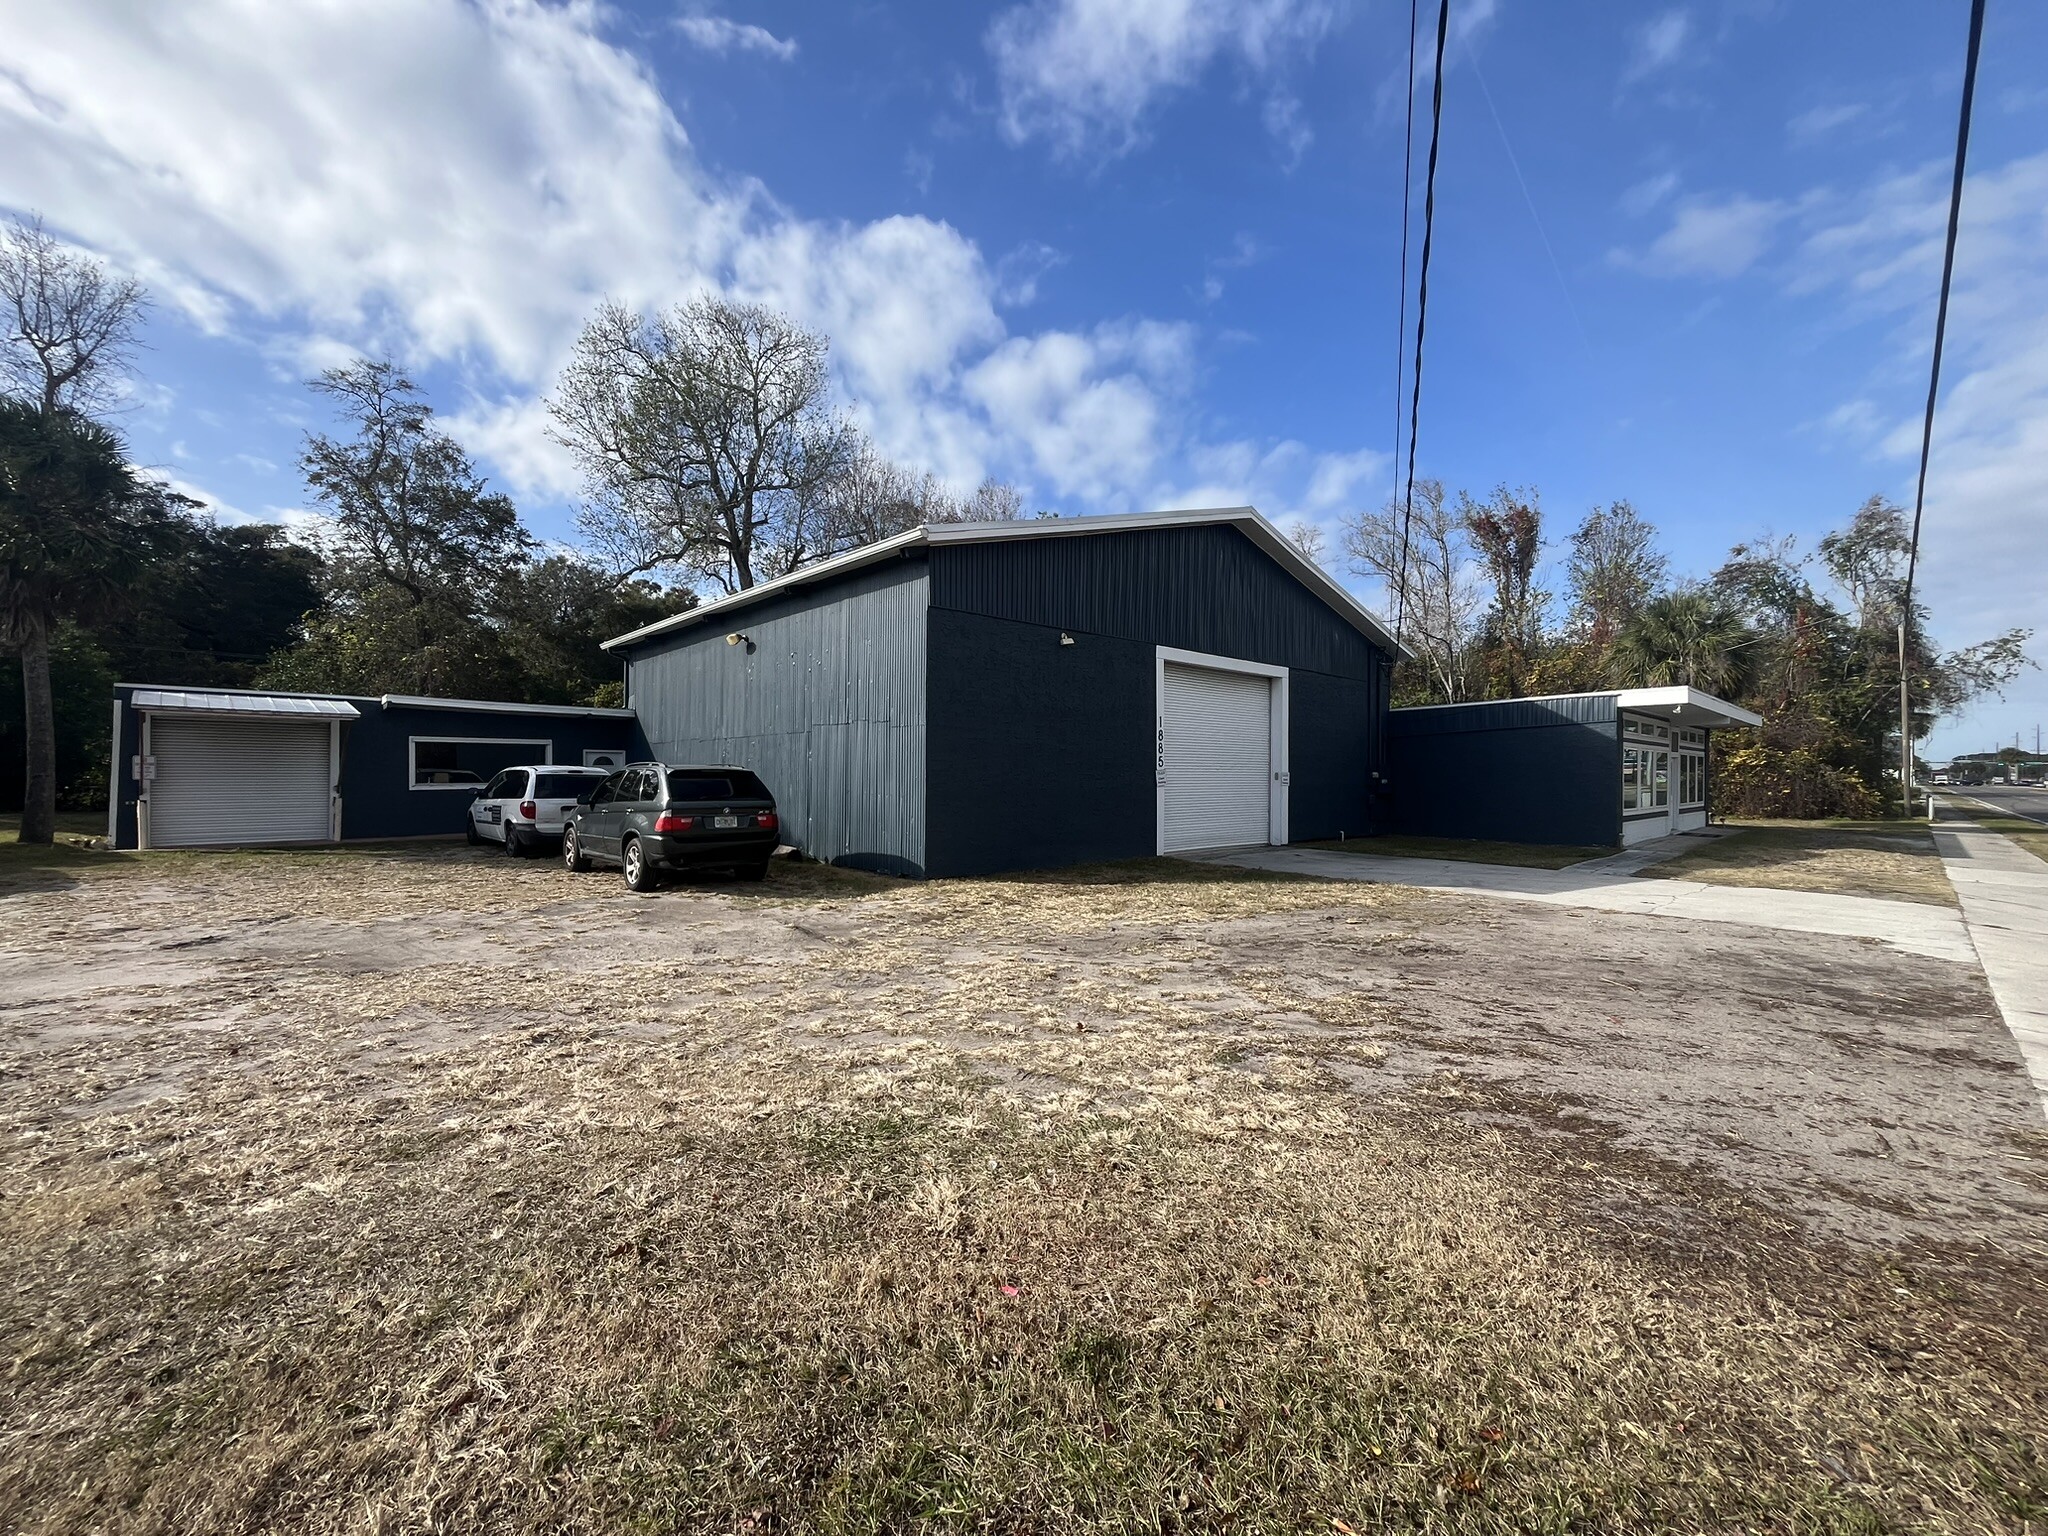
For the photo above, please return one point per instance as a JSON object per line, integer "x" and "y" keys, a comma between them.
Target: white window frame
{"x": 1277, "y": 780}
{"x": 1646, "y": 783}
{"x": 591, "y": 754}
{"x": 1700, "y": 774}
{"x": 412, "y": 767}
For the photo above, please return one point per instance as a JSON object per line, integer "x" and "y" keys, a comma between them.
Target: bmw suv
{"x": 658, "y": 819}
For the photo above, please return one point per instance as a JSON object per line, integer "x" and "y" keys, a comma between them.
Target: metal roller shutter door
{"x": 1219, "y": 758}
{"x": 239, "y": 781}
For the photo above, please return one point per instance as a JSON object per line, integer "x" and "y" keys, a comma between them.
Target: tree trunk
{"x": 39, "y": 793}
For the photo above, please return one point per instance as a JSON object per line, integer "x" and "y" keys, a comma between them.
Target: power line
{"x": 1948, "y": 268}
{"x": 1401, "y": 323}
{"x": 1436, "y": 122}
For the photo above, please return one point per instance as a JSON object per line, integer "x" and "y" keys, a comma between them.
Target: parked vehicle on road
{"x": 658, "y": 819}
{"x": 522, "y": 809}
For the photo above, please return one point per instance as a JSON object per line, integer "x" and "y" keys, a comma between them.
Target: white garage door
{"x": 239, "y": 781}
{"x": 1219, "y": 758}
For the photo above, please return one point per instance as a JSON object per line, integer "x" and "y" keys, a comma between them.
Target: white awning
{"x": 503, "y": 707}
{"x": 293, "y": 706}
{"x": 1687, "y": 706}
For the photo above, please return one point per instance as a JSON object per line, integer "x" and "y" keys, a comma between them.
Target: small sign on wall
{"x": 142, "y": 769}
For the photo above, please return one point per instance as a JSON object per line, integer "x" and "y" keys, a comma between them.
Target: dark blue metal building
{"x": 974, "y": 698}
{"x": 216, "y": 767}
{"x": 1584, "y": 769}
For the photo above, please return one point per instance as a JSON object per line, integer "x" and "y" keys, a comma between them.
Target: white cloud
{"x": 1981, "y": 545}
{"x": 460, "y": 181}
{"x": 1648, "y": 193}
{"x": 720, "y": 34}
{"x": 1658, "y": 43}
{"x": 1711, "y": 237}
{"x": 1818, "y": 122}
{"x": 1085, "y": 73}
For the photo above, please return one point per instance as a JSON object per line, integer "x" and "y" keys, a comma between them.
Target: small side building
{"x": 221, "y": 767}
{"x": 1587, "y": 769}
{"x": 971, "y": 698}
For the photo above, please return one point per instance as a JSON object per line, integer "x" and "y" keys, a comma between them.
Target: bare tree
{"x": 1309, "y": 539}
{"x": 70, "y": 324}
{"x": 69, "y": 338}
{"x": 707, "y": 439}
{"x": 1429, "y": 579}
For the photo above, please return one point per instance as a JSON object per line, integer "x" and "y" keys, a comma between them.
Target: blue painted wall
{"x": 377, "y": 801}
{"x": 1042, "y": 754}
{"x": 1513, "y": 771}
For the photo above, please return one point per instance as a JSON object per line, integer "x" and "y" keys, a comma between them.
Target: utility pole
{"x": 1948, "y": 267}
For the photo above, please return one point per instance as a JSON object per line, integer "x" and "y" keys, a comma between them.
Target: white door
{"x": 239, "y": 781}
{"x": 1217, "y": 758}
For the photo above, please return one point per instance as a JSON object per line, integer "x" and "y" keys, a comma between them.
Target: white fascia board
{"x": 1687, "y": 702}
{"x": 1254, "y": 524}
{"x": 503, "y": 707}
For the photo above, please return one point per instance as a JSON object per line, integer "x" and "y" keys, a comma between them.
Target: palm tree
{"x": 76, "y": 525}
{"x": 1687, "y": 638}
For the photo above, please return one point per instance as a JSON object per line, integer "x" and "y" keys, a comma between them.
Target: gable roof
{"x": 1246, "y": 520}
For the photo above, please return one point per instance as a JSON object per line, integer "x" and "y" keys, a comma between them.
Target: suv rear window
{"x": 735, "y": 784}
{"x": 565, "y": 786}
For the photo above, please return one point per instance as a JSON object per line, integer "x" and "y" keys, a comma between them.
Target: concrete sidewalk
{"x": 1914, "y": 927}
{"x": 2004, "y": 892}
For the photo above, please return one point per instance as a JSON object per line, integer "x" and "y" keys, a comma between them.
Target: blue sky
{"x": 1126, "y": 253}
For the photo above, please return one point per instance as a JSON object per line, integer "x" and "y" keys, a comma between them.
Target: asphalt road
{"x": 2030, "y": 803}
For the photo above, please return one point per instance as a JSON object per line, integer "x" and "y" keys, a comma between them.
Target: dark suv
{"x": 654, "y": 819}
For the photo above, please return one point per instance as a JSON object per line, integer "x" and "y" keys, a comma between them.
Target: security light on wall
{"x": 737, "y": 638}
{"x": 1065, "y": 638}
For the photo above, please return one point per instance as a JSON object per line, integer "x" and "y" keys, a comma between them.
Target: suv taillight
{"x": 529, "y": 810}
{"x": 668, "y": 822}
{"x": 765, "y": 819}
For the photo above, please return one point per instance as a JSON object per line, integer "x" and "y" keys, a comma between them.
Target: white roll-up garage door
{"x": 239, "y": 781}
{"x": 1218, "y": 758}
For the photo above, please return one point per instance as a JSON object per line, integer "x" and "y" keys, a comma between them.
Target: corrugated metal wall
{"x": 829, "y": 709}
{"x": 1509, "y": 770}
{"x": 1042, "y": 754}
{"x": 1201, "y": 588}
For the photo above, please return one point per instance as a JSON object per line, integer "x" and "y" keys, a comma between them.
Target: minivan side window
{"x": 499, "y": 788}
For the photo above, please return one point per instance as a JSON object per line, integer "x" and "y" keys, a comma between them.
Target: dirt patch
{"x": 1893, "y": 860}
{"x": 432, "y": 1190}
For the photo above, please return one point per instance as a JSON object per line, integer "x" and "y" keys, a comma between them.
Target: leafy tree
{"x": 416, "y": 548}
{"x": 1613, "y": 569}
{"x": 217, "y": 607}
{"x": 1506, "y": 531}
{"x": 67, "y": 334}
{"x": 1688, "y": 638}
{"x": 77, "y": 527}
{"x": 554, "y": 616}
{"x": 707, "y": 439}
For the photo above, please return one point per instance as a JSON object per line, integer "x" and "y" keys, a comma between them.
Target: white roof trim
{"x": 502, "y": 707}
{"x": 1687, "y": 703}
{"x": 193, "y": 701}
{"x": 1669, "y": 700}
{"x": 1248, "y": 519}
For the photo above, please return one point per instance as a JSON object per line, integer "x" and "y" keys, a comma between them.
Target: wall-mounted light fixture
{"x": 737, "y": 638}
{"x": 1065, "y": 638}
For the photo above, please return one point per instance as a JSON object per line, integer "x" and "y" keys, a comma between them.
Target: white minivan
{"x": 522, "y": 808}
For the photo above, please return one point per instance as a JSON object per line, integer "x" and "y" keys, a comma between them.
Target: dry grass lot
{"x": 386, "y": 1191}
{"x": 1895, "y": 860}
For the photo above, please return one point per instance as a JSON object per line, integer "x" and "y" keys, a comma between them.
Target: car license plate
{"x": 720, "y": 823}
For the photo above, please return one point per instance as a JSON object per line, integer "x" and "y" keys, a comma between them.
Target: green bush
{"x": 1756, "y": 780}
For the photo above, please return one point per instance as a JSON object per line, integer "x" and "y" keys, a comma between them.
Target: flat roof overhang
{"x": 1686, "y": 706}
